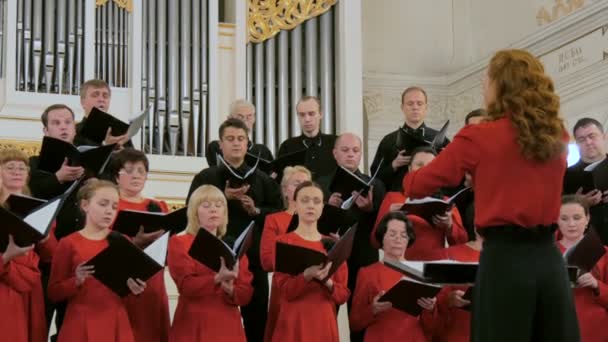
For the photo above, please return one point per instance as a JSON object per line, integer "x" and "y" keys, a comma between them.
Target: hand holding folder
{"x": 294, "y": 260}
{"x": 122, "y": 260}
{"x": 98, "y": 122}
{"x": 208, "y": 249}
{"x": 594, "y": 176}
{"x": 408, "y": 142}
{"x": 33, "y": 227}
{"x": 586, "y": 253}
{"x": 345, "y": 182}
{"x": 54, "y": 152}
{"x": 428, "y": 207}
{"x": 405, "y": 294}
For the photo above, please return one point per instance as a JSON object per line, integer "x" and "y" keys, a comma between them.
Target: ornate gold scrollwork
{"x": 268, "y": 17}
{"x": 124, "y": 4}
{"x": 31, "y": 148}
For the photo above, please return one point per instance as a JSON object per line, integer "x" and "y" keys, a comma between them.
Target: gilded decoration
{"x": 124, "y": 4}
{"x": 269, "y": 17}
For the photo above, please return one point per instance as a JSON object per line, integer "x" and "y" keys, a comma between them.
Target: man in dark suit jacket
{"x": 244, "y": 111}
{"x": 58, "y": 122}
{"x": 414, "y": 106}
{"x": 253, "y": 201}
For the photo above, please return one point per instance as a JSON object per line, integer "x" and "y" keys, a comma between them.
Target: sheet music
{"x": 241, "y": 238}
{"x": 157, "y": 250}
{"x": 136, "y": 123}
{"x": 41, "y": 218}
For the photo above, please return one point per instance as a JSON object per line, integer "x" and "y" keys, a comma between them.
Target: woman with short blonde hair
{"x": 208, "y": 304}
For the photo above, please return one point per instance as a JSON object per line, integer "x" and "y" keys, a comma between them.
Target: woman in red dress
{"x": 276, "y": 225}
{"x": 208, "y": 305}
{"x": 19, "y": 275}
{"x": 380, "y": 321}
{"x": 430, "y": 236}
{"x": 308, "y": 307}
{"x": 454, "y": 315}
{"x": 149, "y": 312}
{"x": 94, "y": 312}
{"x": 591, "y": 294}
{"x": 15, "y": 175}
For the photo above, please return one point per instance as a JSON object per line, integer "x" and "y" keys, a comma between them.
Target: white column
{"x": 349, "y": 114}
{"x": 240, "y": 50}
{"x": 214, "y": 81}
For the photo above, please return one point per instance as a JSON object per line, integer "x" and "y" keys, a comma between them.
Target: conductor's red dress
{"x": 149, "y": 312}
{"x": 204, "y": 311}
{"x": 275, "y": 225}
{"x": 308, "y": 308}
{"x": 94, "y": 312}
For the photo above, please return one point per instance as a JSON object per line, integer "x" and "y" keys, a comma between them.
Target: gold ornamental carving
{"x": 268, "y": 17}
{"x": 31, "y": 148}
{"x": 124, "y": 4}
{"x": 560, "y": 9}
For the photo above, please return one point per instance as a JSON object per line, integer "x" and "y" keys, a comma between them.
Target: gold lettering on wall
{"x": 560, "y": 9}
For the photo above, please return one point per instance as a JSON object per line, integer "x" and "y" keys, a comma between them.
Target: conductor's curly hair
{"x": 526, "y": 95}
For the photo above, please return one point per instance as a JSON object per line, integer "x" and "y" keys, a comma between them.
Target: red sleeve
{"x": 340, "y": 291}
{"x": 390, "y": 198}
{"x": 458, "y": 234}
{"x": 243, "y": 291}
{"x": 600, "y": 271}
{"x": 447, "y": 169}
{"x": 62, "y": 282}
{"x": 163, "y": 206}
{"x": 182, "y": 268}
{"x": 21, "y": 273}
{"x": 46, "y": 249}
{"x": 293, "y": 287}
{"x": 361, "y": 315}
{"x": 268, "y": 243}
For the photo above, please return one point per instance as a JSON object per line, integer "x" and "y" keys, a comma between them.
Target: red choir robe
{"x": 454, "y": 324}
{"x": 390, "y": 325}
{"x": 94, "y": 312}
{"x": 35, "y": 298}
{"x": 308, "y": 308}
{"x": 592, "y": 306}
{"x": 204, "y": 311}
{"x": 430, "y": 241}
{"x": 149, "y": 312}
{"x": 275, "y": 225}
{"x": 18, "y": 279}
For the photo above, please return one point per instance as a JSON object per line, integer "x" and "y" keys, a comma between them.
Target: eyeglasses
{"x": 15, "y": 168}
{"x": 130, "y": 172}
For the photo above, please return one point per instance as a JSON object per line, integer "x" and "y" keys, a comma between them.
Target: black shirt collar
{"x": 420, "y": 131}
{"x": 316, "y": 140}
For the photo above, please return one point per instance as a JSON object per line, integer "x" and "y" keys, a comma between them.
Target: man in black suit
{"x": 244, "y": 111}
{"x": 414, "y": 106}
{"x": 319, "y": 146}
{"x": 253, "y": 201}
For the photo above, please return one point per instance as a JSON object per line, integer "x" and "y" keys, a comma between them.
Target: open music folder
{"x": 208, "y": 248}
{"x": 128, "y": 222}
{"x": 293, "y": 260}
{"x": 22, "y": 205}
{"x": 279, "y": 164}
{"x": 587, "y": 252}
{"x": 428, "y": 207}
{"x": 437, "y": 272}
{"x": 594, "y": 176}
{"x": 122, "y": 260}
{"x": 33, "y": 227}
{"x": 92, "y": 158}
{"x": 405, "y": 294}
{"x": 98, "y": 122}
